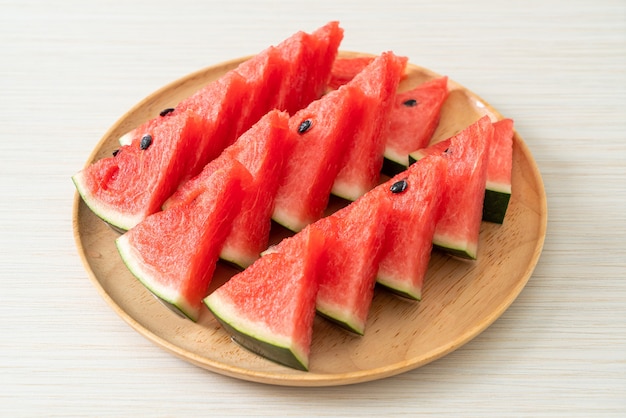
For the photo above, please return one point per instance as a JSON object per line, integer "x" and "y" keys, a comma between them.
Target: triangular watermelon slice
{"x": 413, "y": 120}
{"x": 468, "y": 156}
{"x": 498, "y": 188}
{"x": 418, "y": 199}
{"x": 174, "y": 252}
{"x": 269, "y": 308}
{"x": 322, "y": 135}
{"x": 131, "y": 185}
{"x": 378, "y": 83}
{"x": 498, "y": 183}
{"x": 263, "y": 150}
{"x": 354, "y": 242}
{"x": 223, "y": 109}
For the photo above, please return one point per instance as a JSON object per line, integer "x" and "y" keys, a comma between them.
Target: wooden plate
{"x": 460, "y": 298}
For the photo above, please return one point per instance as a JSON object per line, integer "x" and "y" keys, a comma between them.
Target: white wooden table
{"x": 69, "y": 69}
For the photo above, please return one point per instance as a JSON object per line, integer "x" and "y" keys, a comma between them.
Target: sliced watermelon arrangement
{"x": 499, "y": 165}
{"x": 127, "y": 187}
{"x": 174, "y": 252}
{"x": 267, "y": 144}
{"x": 419, "y": 201}
{"x": 263, "y": 150}
{"x": 468, "y": 157}
{"x": 378, "y": 82}
{"x": 297, "y": 71}
{"x": 337, "y": 144}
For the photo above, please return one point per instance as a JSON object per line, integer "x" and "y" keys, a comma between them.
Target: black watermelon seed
{"x": 304, "y": 126}
{"x": 167, "y": 111}
{"x": 399, "y": 186}
{"x": 410, "y": 103}
{"x": 116, "y": 152}
{"x": 146, "y": 141}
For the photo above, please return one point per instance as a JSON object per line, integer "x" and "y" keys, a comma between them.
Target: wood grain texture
{"x": 69, "y": 69}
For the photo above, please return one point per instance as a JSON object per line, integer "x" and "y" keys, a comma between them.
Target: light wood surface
{"x": 70, "y": 69}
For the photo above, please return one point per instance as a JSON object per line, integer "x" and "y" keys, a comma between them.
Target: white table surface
{"x": 69, "y": 69}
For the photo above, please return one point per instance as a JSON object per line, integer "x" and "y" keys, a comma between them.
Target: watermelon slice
{"x": 269, "y": 308}
{"x": 378, "y": 83}
{"x": 498, "y": 183}
{"x": 263, "y": 150}
{"x": 131, "y": 185}
{"x": 299, "y": 67}
{"x": 414, "y": 118}
{"x": 174, "y": 252}
{"x": 322, "y": 135}
{"x": 418, "y": 198}
{"x": 354, "y": 243}
{"x": 344, "y": 70}
{"x": 498, "y": 189}
{"x": 468, "y": 153}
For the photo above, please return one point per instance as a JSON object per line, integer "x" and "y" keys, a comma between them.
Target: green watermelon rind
{"x": 290, "y": 221}
{"x": 496, "y": 204}
{"x": 462, "y": 249}
{"x": 343, "y": 318}
{"x": 147, "y": 278}
{"x": 392, "y": 164}
{"x": 120, "y": 221}
{"x": 255, "y": 336}
{"x": 347, "y": 191}
{"x": 399, "y": 287}
{"x": 237, "y": 258}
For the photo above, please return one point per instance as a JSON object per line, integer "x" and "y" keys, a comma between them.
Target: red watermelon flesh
{"x": 217, "y": 105}
{"x": 311, "y": 57}
{"x": 468, "y": 156}
{"x": 354, "y": 243}
{"x": 133, "y": 184}
{"x": 418, "y": 203}
{"x": 501, "y": 155}
{"x": 264, "y": 72}
{"x": 263, "y": 150}
{"x": 498, "y": 188}
{"x": 413, "y": 120}
{"x": 329, "y": 36}
{"x": 322, "y": 135}
{"x": 344, "y": 70}
{"x": 377, "y": 83}
{"x": 269, "y": 308}
{"x": 174, "y": 252}
{"x": 498, "y": 182}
